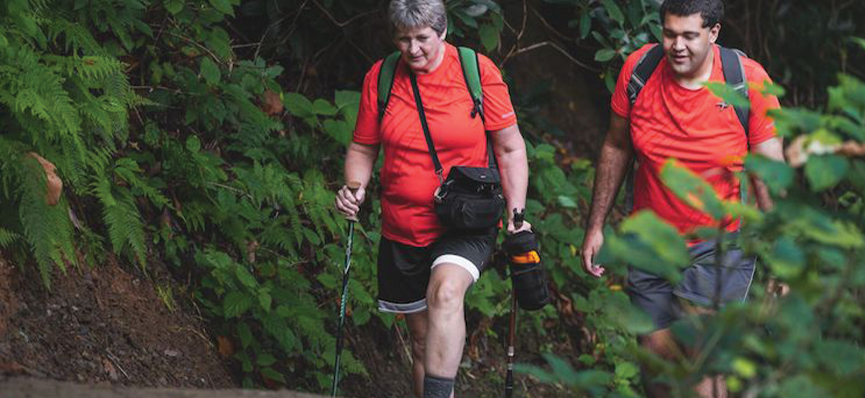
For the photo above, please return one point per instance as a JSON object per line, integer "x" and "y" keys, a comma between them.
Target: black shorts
{"x": 404, "y": 271}
{"x": 660, "y": 299}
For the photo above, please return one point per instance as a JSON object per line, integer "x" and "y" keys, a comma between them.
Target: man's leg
{"x": 662, "y": 344}
{"x": 446, "y": 330}
{"x": 710, "y": 386}
{"x": 417, "y": 326}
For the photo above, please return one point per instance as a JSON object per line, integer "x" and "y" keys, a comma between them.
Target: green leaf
{"x": 324, "y": 108}
{"x": 824, "y": 172}
{"x": 648, "y": 243}
{"x": 265, "y": 359}
{"x": 728, "y": 94}
{"x": 235, "y": 304}
{"x": 786, "y": 258}
{"x": 210, "y": 71}
{"x": 585, "y": 24}
{"x": 265, "y": 300}
{"x": 744, "y": 367}
{"x": 245, "y": 334}
{"x": 604, "y": 55}
{"x": 858, "y": 40}
{"x": 327, "y": 280}
{"x": 626, "y": 370}
{"x": 776, "y": 175}
{"x": 193, "y": 144}
{"x": 343, "y": 99}
{"x": 245, "y": 277}
{"x": 489, "y": 37}
{"x": 272, "y": 375}
{"x": 614, "y": 11}
{"x": 174, "y": 6}
{"x": 338, "y": 130}
{"x": 560, "y": 368}
{"x": 773, "y": 89}
{"x": 298, "y": 105}
{"x": 223, "y": 6}
{"x": 219, "y": 42}
{"x": 692, "y": 189}
{"x": 567, "y": 202}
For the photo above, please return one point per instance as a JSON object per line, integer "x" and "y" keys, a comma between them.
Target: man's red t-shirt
{"x": 696, "y": 128}
{"x": 408, "y": 177}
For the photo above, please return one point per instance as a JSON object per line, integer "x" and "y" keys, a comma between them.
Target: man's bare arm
{"x": 616, "y": 155}
{"x": 772, "y": 148}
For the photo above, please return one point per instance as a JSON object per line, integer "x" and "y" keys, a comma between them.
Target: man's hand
{"x": 348, "y": 202}
{"x": 592, "y": 243}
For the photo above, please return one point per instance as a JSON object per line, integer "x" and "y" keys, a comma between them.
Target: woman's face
{"x": 422, "y": 49}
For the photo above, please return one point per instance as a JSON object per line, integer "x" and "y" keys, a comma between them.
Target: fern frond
{"x": 7, "y": 238}
{"x": 125, "y": 228}
{"x": 46, "y": 228}
{"x": 76, "y": 37}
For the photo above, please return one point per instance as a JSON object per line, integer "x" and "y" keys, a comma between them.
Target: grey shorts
{"x": 701, "y": 283}
{"x": 404, "y": 271}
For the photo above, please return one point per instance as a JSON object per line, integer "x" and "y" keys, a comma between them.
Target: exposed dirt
{"x": 107, "y": 326}
{"x": 103, "y": 324}
{"x": 34, "y": 388}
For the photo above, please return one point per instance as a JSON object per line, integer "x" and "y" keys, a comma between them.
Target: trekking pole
{"x": 353, "y": 186}
{"x": 509, "y": 380}
{"x": 519, "y": 216}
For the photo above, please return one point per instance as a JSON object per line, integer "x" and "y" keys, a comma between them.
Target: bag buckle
{"x": 441, "y": 193}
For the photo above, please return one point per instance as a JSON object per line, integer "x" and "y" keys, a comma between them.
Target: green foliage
{"x": 807, "y": 343}
{"x": 617, "y": 28}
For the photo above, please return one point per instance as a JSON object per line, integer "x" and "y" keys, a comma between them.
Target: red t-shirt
{"x": 692, "y": 126}
{"x": 408, "y": 177}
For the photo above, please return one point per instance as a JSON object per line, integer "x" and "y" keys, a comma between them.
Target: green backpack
{"x": 471, "y": 74}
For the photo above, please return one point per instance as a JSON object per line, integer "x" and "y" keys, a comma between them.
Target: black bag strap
{"x": 439, "y": 170}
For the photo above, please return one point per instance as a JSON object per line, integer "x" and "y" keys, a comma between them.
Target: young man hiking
{"x": 669, "y": 113}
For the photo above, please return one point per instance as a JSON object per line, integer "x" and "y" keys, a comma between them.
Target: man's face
{"x": 420, "y": 47}
{"x": 687, "y": 43}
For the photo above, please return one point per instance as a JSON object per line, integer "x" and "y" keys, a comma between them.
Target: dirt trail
{"x": 37, "y": 388}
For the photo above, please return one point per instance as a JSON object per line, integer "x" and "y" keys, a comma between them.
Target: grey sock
{"x": 437, "y": 387}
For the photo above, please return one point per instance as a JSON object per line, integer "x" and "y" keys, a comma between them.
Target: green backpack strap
{"x": 385, "y": 81}
{"x": 472, "y": 74}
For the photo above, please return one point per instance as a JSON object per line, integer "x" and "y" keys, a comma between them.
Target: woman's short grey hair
{"x": 413, "y": 14}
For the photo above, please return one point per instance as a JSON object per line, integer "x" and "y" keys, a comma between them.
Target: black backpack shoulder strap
{"x": 385, "y": 81}
{"x": 643, "y": 71}
{"x": 734, "y": 76}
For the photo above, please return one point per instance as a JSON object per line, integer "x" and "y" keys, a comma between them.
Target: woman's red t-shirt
{"x": 408, "y": 177}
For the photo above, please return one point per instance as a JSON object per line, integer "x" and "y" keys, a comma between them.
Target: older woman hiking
{"x": 424, "y": 267}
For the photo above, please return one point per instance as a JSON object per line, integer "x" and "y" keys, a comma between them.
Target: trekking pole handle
{"x": 353, "y": 186}
{"x": 519, "y": 217}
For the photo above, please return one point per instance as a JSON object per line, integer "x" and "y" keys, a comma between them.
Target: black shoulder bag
{"x": 471, "y": 197}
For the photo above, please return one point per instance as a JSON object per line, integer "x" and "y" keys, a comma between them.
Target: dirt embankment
{"x": 32, "y": 388}
{"x": 102, "y": 324}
